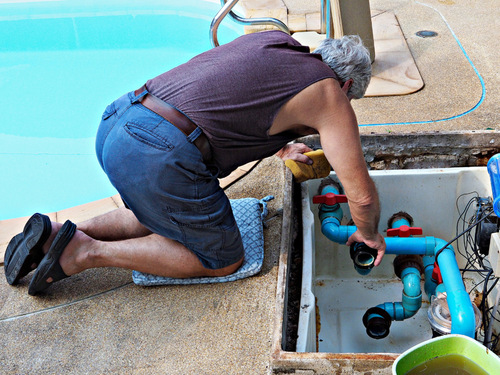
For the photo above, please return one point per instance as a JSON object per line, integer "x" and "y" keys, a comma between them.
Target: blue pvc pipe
{"x": 494, "y": 172}
{"x": 429, "y": 285}
{"x": 400, "y": 222}
{"x": 335, "y": 232}
{"x": 410, "y": 245}
{"x": 412, "y": 293}
{"x": 411, "y": 298}
{"x": 462, "y": 313}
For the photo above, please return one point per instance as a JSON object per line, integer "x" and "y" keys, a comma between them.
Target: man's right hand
{"x": 377, "y": 243}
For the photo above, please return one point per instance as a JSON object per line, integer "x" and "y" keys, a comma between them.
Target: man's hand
{"x": 377, "y": 243}
{"x": 295, "y": 151}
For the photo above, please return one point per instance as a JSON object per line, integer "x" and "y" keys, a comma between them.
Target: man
{"x": 165, "y": 145}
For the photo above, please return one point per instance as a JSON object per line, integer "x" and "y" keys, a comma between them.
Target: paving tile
{"x": 394, "y": 69}
{"x": 313, "y": 22}
{"x": 263, "y": 8}
{"x": 297, "y": 22}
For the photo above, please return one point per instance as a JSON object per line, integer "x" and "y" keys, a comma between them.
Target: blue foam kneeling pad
{"x": 249, "y": 214}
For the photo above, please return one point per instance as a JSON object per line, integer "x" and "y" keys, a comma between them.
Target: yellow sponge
{"x": 318, "y": 169}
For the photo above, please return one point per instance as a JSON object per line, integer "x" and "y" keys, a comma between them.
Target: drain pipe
{"x": 408, "y": 268}
{"x": 460, "y": 306}
{"x": 459, "y": 303}
{"x": 377, "y": 320}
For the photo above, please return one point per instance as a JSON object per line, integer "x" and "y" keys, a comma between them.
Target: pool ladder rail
{"x": 227, "y": 6}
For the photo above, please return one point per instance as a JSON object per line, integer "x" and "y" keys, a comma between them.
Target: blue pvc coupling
{"x": 494, "y": 172}
{"x": 400, "y": 222}
{"x": 325, "y": 210}
{"x": 412, "y": 293}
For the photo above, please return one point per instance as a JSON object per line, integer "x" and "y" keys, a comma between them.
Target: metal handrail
{"x": 227, "y": 6}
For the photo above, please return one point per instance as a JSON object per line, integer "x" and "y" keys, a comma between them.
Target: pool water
{"x": 61, "y": 64}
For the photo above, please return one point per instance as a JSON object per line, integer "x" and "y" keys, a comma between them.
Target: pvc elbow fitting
{"x": 335, "y": 232}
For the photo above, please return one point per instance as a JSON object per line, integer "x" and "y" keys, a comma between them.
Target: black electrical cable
{"x": 493, "y": 286}
{"x": 474, "y": 260}
{"x": 482, "y": 306}
{"x": 461, "y": 234}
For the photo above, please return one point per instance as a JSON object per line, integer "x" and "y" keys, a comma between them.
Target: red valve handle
{"x": 330, "y": 199}
{"x": 436, "y": 274}
{"x": 404, "y": 231}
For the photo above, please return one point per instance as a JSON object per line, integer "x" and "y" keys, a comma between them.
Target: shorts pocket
{"x": 148, "y": 136}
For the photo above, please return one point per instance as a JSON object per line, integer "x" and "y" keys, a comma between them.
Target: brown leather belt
{"x": 176, "y": 118}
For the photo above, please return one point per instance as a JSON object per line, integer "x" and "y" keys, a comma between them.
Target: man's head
{"x": 349, "y": 59}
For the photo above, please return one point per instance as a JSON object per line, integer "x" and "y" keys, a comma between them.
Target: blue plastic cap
{"x": 494, "y": 172}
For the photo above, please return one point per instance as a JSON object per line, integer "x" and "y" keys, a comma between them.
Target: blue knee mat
{"x": 249, "y": 214}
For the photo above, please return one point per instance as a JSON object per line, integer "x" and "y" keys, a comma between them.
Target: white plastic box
{"x": 335, "y": 297}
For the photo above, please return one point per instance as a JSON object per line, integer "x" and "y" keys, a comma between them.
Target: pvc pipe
{"x": 400, "y": 222}
{"x": 493, "y": 167}
{"x": 411, "y": 298}
{"x": 412, "y": 294}
{"x": 440, "y": 289}
{"x": 335, "y": 232}
{"x": 430, "y": 284}
{"x": 410, "y": 245}
{"x": 462, "y": 313}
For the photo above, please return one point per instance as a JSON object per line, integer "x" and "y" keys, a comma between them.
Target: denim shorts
{"x": 162, "y": 178}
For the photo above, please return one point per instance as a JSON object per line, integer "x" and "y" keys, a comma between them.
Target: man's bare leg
{"x": 119, "y": 224}
{"x": 121, "y": 241}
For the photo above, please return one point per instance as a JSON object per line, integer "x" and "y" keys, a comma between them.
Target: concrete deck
{"x": 99, "y": 322}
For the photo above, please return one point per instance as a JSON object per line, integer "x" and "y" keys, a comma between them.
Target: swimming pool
{"x": 61, "y": 63}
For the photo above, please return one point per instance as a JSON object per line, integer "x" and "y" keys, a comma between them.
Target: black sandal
{"x": 25, "y": 249}
{"x": 49, "y": 267}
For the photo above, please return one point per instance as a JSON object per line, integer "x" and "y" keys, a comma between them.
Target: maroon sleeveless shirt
{"x": 234, "y": 92}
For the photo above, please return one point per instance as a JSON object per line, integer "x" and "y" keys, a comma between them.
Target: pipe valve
{"x": 404, "y": 231}
{"x": 330, "y": 199}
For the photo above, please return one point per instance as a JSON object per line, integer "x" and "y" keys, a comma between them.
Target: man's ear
{"x": 347, "y": 85}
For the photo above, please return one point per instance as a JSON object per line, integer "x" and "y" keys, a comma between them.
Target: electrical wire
{"x": 489, "y": 332}
{"x": 477, "y": 210}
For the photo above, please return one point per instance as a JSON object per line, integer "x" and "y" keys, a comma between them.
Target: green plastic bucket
{"x": 447, "y": 345}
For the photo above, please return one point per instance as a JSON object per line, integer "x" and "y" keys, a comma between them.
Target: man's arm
{"x": 339, "y": 135}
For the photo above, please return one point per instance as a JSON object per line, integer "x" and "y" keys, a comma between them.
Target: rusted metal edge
{"x": 421, "y": 150}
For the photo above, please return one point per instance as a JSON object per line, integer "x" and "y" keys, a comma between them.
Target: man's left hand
{"x": 295, "y": 151}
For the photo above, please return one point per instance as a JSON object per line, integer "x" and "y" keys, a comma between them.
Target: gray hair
{"x": 349, "y": 59}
